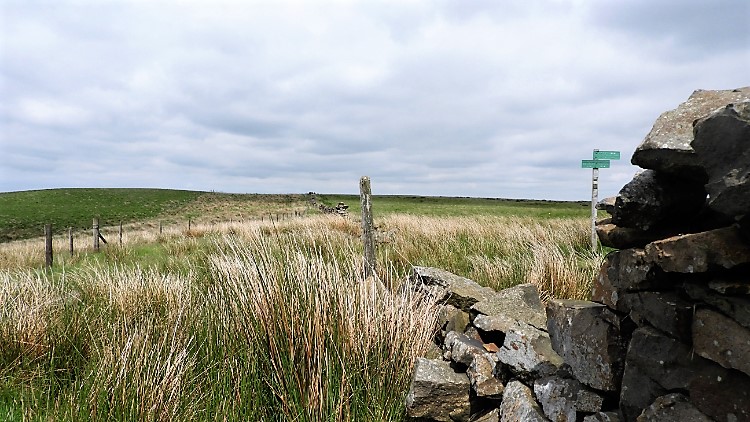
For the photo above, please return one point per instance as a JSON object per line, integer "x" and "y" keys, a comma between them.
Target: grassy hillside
{"x": 24, "y": 214}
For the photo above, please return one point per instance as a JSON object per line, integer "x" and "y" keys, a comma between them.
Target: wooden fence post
{"x": 120, "y": 232}
{"x": 189, "y": 224}
{"x": 70, "y": 239}
{"x": 48, "y": 245}
{"x": 368, "y": 239}
{"x": 159, "y": 227}
{"x": 96, "y": 234}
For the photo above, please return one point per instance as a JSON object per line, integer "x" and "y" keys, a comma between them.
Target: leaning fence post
{"x": 48, "y": 245}
{"x": 365, "y": 200}
{"x": 96, "y": 234}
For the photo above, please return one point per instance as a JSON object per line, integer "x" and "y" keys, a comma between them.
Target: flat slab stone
{"x": 519, "y": 405}
{"x": 452, "y": 289}
{"x": 700, "y": 252}
{"x": 517, "y": 303}
{"x": 722, "y": 340}
{"x": 667, "y": 147}
{"x": 623, "y": 238}
{"x": 437, "y": 392}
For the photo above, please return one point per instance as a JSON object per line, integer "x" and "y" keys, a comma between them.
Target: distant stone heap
{"x": 667, "y": 335}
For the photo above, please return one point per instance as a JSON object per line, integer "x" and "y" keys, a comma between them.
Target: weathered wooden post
{"x": 48, "y": 245}
{"x": 96, "y": 234}
{"x": 70, "y": 239}
{"x": 160, "y": 229}
{"x": 368, "y": 238}
{"x": 189, "y": 224}
{"x": 120, "y": 232}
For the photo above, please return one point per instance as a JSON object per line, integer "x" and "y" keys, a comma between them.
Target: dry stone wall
{"x": 666, "y": 336}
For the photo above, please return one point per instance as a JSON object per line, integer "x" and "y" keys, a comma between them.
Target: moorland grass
{"x": 253, "y": 320}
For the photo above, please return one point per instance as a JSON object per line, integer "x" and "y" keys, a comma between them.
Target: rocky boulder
{"x": 438, "y": 392}
{"x": 519, "y": 405}
{"x": 667, "y": 147}
{"x": 587, "y": 336}
{"x": 722, "y": 144}
{"x": 655, "y": 200}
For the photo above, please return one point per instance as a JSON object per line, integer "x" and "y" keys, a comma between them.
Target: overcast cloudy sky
{"x": 462, "y": 98}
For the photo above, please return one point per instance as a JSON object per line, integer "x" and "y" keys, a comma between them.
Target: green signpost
{"x": 606, "y": 155}
{"x": 600, "y": 161}
{"x": 595, "y": 164}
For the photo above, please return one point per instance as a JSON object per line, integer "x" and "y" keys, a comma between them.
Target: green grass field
{"x": 24, "y": 214}
{"x": 461, "y": 207}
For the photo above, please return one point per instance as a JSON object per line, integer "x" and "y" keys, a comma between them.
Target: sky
{"x": 481, "y": 98}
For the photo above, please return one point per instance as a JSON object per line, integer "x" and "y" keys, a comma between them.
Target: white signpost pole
{"x": 594, "y": 200}
{"x": 600, "y": 160}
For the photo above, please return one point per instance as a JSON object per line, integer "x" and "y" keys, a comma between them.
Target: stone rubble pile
{"x": 666, "y": 336}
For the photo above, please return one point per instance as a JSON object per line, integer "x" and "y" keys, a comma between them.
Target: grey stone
{"x": 722, "y": 340}
{"x": 491, "y": 416}
{"x": 722, "y": 144}
{"x": 665, "y": 311}
{"x": 461, "y": 349}
{"x": 519, "y": 303}
{"x": 653, "y": 200}
{"x": 450, "y": 288}
{"x": 623, "y": 271}
{"x": 603, "y": 417}
{"x": 451, "y": 318}
{"x": 437, "y": 392}
{"x": 519, "y": 405}
{"x": 700, "y": 252}
{"x": 528, "y": 352}
{"x": 586, "y": 335}
{"x": 735, "y": 307}
{"x": 739, "y": 287}
{"x": 589, "y": 401}
{"x": 667, "y": 147}
{"x": 562, "y": 398}
{"x": 481, "y": 374}
{"x": 623, "y": 238}
{"x": 557, "y": 397}
{"x": 607, "y": 205}
{"x": 673, "y": 407}
{"x": 724, "y": 397}
{"x": 655, "y": 365}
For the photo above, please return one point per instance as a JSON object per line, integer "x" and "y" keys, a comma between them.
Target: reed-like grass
{"x": 251, "y": 321}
